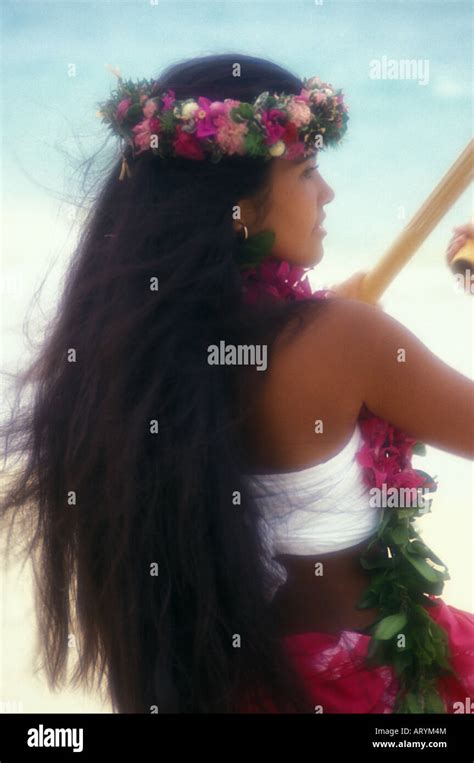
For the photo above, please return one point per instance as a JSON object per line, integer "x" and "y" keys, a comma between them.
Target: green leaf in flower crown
{"x": 256, "y": 248}
{"x": 133, "y": 114}
{"x": 390, "y": 626}
{"x": 167, "y": 121}
{"x": 253, "y": 142}
{"x": 243, "y": 110}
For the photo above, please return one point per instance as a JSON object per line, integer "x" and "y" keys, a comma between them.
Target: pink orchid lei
{"x": 273, "y": 125}
{"x": 278, "y": 280}
{"x": 406, "y": 576}
{"x": 386, "y": 455}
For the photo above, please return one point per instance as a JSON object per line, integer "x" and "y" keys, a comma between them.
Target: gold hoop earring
{"x": 246, "y": 230}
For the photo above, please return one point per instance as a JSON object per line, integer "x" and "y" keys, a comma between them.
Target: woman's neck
{"x": 278, "y": 280}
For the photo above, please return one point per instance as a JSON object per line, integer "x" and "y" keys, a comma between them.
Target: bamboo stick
{"x": 448, "y": 190}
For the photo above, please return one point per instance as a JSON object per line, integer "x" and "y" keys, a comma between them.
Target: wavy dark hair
{"x": 130, "y": 446}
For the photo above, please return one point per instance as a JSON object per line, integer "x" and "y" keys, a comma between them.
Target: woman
{"x": 139, "y": 451}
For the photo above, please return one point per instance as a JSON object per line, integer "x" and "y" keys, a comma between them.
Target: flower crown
{"x": 274, "y": 125}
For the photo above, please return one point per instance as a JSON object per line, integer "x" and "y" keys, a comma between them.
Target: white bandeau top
{"x": 315, "y": 510}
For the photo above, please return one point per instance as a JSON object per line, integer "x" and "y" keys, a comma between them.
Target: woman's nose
{"x": 329, "y": 194}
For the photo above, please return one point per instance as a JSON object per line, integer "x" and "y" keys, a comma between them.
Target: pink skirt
{"x": 332, "y": 667}
{"x": 333, "y": 671}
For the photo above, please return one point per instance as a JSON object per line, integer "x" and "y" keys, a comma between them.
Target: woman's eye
{"x": 310, "y": 170}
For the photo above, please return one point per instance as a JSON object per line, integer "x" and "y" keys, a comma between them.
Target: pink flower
{"x": 122, "y": 109}
{"x": 314, "y": 82}
{"x": 149, "y": 108}
{"x": 187, "y": 145}
{"x": 276, "y": 279}
{"x": 320, "y": 98}
{"x": 299, "y": 112}
{"x": 143, "y": 132}
{"x": 154, "y": 125}
{"x": 141, "y": 138}
{"x": 230, "y": 103}
{"x": 374, "y": 431}
{"x": 230, "y": 135}
{"x": 304, "y": 95}
{"x": 386, "y": 454}
{"x": 295, "y": 151}
{"x": 218, "y": 107}
{"x": 203, "y": 116}
{"x": 274, "y": 130}
{"x": 407, "y": 478}
{"x": 168, "y": 99}
{"x": 290, "y": 134}
{"x": 374, "y": 474}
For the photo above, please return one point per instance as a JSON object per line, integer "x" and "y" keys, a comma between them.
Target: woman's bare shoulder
{"x": 396, "y": 375}
{"x": 315, "y": 374}
{"x": 324, "y": 365}
{"x": 335, "y": 337}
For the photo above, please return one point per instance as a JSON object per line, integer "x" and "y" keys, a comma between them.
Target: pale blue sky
{"x": 402, "y": 137}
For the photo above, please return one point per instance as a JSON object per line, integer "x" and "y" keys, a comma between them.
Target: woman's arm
{"x": 402, "y": 381}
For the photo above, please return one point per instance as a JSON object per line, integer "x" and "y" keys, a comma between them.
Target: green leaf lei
{"x": 404, "y": 573}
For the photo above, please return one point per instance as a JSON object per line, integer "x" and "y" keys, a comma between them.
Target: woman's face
{"x": 297, "y": 195}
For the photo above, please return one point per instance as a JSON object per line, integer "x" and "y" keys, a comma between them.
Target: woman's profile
{"x": 190, "y": 489}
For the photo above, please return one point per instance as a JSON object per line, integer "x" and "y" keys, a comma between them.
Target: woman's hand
{"x": 351, "y": 289}
{"x": 458, "y": 239}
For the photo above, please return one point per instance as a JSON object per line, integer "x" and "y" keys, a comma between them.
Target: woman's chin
{"x": 318, "y": 255}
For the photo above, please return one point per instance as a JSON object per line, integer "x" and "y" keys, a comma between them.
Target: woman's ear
{"x": 243, "y": 212}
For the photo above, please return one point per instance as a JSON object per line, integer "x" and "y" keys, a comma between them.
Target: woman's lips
{"x": 318, "y": 228}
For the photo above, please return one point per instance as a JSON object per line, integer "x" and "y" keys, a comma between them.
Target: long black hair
{"x": 144, "y": 540}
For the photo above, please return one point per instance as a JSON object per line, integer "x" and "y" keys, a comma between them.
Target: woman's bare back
{"x": 306, "y": 388}
{"x": 282, "y": 434}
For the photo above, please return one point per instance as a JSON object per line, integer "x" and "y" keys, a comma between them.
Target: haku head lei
{"x": 148, "y": 118}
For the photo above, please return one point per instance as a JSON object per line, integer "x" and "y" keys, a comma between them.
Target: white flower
{"x": 277, "y": 149}
{"x": 189, "y": 109}
{"x": 313, "y": 82}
